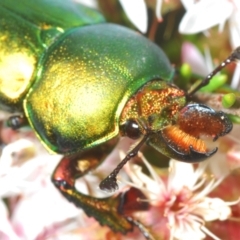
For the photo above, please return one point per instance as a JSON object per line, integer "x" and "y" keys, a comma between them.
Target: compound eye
{"x": 131, "y": 129}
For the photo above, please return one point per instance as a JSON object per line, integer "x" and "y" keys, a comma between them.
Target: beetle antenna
{"x": 109, "y": 184}
{"x": 235, "y": 55}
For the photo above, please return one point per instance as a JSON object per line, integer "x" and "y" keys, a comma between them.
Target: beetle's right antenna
{"x": 235, "y": 55}
{"x": 109, "y": 184}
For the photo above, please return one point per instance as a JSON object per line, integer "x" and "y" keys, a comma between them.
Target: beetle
{"x": 80, "y": 83}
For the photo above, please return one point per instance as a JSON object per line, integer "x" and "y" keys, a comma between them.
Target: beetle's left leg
{"x": 17, "y": 121}
{"x": 107, "y": 211}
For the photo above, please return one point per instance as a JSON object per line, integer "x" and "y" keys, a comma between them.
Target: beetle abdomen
{"x": 85, "y": 81}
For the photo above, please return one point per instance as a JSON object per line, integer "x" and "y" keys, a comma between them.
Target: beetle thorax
{"x": 157, "y": 102}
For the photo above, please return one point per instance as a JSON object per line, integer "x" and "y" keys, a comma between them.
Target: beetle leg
{"x": 107, "y": 211}
{"x": 17, "y": 121}
{"x": 141, "y": 227}
{"x": 129, "y": 204}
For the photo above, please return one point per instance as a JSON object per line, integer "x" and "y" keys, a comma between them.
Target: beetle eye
{"x": 131, "y": 129}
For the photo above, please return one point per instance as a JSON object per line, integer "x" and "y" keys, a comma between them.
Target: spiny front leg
{"x": 109, "y": 211}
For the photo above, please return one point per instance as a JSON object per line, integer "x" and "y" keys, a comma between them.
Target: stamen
{"x": 158, "y": 10}
{"x": 234, "y": 219}
{"x": 195, "y": 218}
{"x": 152, "y": 172}
{"x": 201, "y": 169}
{"x": 200, "y": 184}
{"x": 209, "y": 233}
{"x": 211, "y": 185}
{"x": 143, "y": 189}
{"x": 233, "y": 202}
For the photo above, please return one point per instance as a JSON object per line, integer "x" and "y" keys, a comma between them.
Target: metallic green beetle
{"x": 81, "y": 82}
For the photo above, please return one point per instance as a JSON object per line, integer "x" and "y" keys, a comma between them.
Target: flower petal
{"x": 89, "y": 3}
{"x": 49, "y": 207}
{"x": 189, "y": 231}
{"x": 212, "y": 209}
{"x": 136, "y": 11}
{"x": 193, "y": 57}
{"x": 234, "y": 26}
{"x": 5, "y": 226}
{"x": 181, "y": 175}
{"x": 6, "y": 160}
{"x": 142, "y": 181}
{"x": 204, "y": 15}
{"x": 187, "y": 3}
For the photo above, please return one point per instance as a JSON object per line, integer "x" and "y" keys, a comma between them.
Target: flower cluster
{"x": 186, "y": 201}
{"x": 180, "y": 201}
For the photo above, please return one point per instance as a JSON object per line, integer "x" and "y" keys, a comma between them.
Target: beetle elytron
{"x": 81, "y": 82}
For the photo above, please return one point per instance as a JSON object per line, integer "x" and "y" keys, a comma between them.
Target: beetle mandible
{"x": 80, "y": 82}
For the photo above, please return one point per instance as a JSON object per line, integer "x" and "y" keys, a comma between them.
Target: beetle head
{"x": 182, "y": 141}
{"x": 178, "y": 138}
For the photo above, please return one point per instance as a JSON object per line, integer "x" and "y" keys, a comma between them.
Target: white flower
{"x": 182, "y": 200}
{"x": 34, "y": 204}
{"x": 34, "y": 208}
{"x": 204, "y": 14}
{"x": 89, "y": 3}
{"x": 136, "y": 10}
{"x": 201, "y": 65}
{"x": 6, "y": 227}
